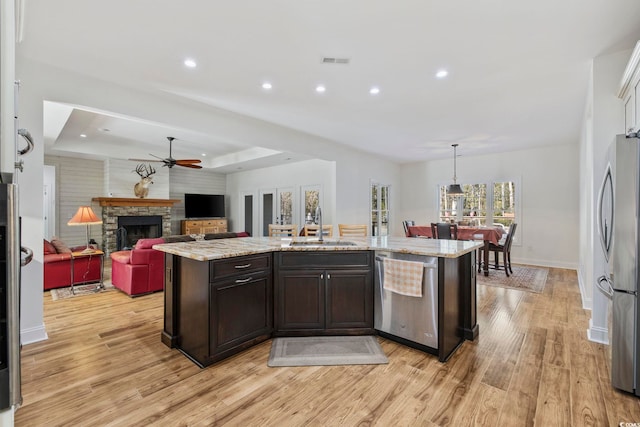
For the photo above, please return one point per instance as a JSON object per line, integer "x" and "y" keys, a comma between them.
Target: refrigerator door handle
{"x": 605, "y": 289}
{"x": 28, "y": 256}
{"x": 27, "y": 136}
{"x": 605, "y": 229}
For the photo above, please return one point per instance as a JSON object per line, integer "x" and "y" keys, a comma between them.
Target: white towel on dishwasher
{"x": 403, "y": 277}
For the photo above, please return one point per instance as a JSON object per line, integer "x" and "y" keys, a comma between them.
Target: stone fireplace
{"x": 139, "y": 217}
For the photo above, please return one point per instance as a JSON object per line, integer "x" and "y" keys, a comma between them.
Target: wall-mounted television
{"x": 203, "y": 205}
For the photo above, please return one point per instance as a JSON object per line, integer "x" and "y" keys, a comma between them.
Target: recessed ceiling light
{"x": 266, "y": 85}
{"x": 374, "y": 90}
{"x": 442, "y": 74}
{"x": 82, "y": 135}
{"x": 190, "y": 63}
{"x": 204, "y": 154}
{"x": 320, "y": 89}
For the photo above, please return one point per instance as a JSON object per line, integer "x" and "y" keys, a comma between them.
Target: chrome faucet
{"x": 319, "y": 222}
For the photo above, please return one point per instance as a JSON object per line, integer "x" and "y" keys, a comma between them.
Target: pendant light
{"x": 454, "y": 189}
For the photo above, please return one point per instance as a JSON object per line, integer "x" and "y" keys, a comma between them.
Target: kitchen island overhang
{"x": 219, "y": 294}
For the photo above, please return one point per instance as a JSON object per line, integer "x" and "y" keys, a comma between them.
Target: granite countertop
{"x": 206, "y": 250}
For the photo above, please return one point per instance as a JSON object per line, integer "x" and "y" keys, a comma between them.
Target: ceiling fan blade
{"x": 190, "y": 166}
{"x": 145, "y": 160}
{"x": 187, "y": 161}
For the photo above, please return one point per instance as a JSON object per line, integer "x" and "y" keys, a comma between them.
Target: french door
{"x": 276, "y": 207}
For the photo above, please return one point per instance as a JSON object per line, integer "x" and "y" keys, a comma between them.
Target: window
{"x": 504, "y": 209}
{"x": 311, "y": 200}
{"x": 478, "y": 206}
{"x": 379, "y": 209}
{"x": 470, "y": 209}
{"x": 285, "y": 208}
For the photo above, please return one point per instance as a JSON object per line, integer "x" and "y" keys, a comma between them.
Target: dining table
{"x": 489, "y": 234}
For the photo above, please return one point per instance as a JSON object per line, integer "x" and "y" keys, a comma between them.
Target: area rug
{"x": 80, "y": 290}
{"x": 317, "y": 351}
{"x": 524, "y": 278}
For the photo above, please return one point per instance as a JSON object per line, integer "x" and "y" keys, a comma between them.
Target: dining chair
{"x": 444, "y": 230}
{"x": 283, "y": 230}
{"x": 312, "y": 230}
{"x": 352, "y": 229}
{"x": 505, "y": 248}
{"x": 406, "y": 224}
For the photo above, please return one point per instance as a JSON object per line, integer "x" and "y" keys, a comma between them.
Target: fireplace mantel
{"x": 123, "y": 201}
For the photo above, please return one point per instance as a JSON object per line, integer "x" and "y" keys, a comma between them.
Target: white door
{"x": 267, "y": 210}
{"x": 285, "y": 212}
{"x": 247, "y": 213}
{"x": 276, "y": 207}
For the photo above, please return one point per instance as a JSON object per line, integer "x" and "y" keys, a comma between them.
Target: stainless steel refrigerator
{"x": 10, "y": 263}
{"x": 619, "y": 220}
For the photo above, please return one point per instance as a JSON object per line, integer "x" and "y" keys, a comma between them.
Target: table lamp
{"x": 85, "y": 216}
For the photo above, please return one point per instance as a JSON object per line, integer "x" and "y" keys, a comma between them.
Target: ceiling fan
{"x": 170, "y": 161}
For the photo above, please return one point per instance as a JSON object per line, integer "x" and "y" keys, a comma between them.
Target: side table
{"x": 78, "y": 255}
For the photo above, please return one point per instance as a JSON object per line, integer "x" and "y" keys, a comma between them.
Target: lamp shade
{"x": 454, "y": 190}
{"x": 84, "y": 216}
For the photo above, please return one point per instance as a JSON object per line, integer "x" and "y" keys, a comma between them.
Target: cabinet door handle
{"x": 328, "y": 276}
{"x": 248, "y": 279}
{"x": 322, "y": 276}
{"x": 239, "y": 267}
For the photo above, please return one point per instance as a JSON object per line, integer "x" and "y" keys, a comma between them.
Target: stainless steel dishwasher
{"x": 409, "y": 318}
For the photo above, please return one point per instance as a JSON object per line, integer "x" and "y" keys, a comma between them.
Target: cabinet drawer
{"x": 240, "y": 265}
{"x": 191, "y": 224}
{"x": 325, "y": 259}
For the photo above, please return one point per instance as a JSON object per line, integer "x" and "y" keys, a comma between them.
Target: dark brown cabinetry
{"x": 324, "y": 293}
{"x": 223, "y": 306}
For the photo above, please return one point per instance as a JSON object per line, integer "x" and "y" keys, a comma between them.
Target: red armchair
{"x": 140, "y": 270}
{"x": 57, "y": 266}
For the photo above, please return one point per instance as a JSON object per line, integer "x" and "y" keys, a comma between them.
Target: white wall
{"x": 77, "y": 181}
{"x": 120, "y": 177}
{"x": 354, "y": 173}
{"x": 607, "y": 120}
{"x": 186, "y": 180}
{"x": 294, "y": 175}
{"x": 548, "y": 217}
{"x": 345, "y": 187}
{"x": 587, "y": 209}
{"x": 31, "y": 212}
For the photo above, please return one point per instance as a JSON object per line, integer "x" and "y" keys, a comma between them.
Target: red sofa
{"x": 141, "y": 270}
{"x": 57, "y": 266}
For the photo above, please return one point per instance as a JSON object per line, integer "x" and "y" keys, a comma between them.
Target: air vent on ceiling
{"x": 329, "y": 60}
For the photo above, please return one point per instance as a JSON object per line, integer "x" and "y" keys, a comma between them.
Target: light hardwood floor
{"x": 104, "y": 364}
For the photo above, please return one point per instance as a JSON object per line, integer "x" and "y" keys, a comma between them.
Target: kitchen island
{"x": 223, "y": 296}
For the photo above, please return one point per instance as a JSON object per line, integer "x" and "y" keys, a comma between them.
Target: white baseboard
{"x": 587, "y": 303}
{"x": 31, "y": 335}
{"x": 7, "y": 417}
{"x": 546, "y": 263}
{"x": 598, "y": 334}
